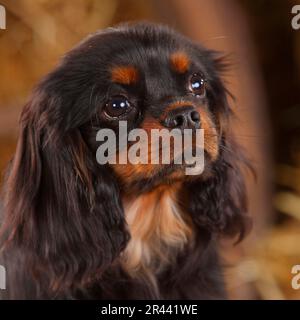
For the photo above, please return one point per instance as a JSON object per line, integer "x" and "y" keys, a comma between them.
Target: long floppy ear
{"x": 219, "y": 203}
{"x": 62, "y": 210}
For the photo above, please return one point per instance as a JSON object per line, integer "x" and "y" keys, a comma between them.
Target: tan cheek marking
{"x": 125, "y": 75}
{"x": 151, "y": 123}
{"x": 210, "y": 135}
{"x": 129, "y": 172}
{"x": 153, "y": 150}
{"x": 179, "y": 62}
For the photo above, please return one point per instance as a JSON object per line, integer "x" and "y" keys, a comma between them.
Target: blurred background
{"x": 264, "y": 78}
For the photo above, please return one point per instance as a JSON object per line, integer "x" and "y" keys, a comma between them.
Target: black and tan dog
{"x": 75, "y": 229}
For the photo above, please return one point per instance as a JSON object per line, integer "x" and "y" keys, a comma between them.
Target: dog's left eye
{"x": 117, "y": 106}
{"x": 197, "y": 85}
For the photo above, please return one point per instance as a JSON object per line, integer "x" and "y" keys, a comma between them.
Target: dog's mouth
{"x": 163, "y": 159}
{"x": 145, "y": 177}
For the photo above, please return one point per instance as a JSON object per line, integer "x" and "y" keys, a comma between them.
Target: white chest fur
{"x": 158, "y": 230}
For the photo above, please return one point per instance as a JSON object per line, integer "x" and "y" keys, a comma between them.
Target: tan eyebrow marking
{"x": 179, "y": 61}
{"x": 124, "y": 74}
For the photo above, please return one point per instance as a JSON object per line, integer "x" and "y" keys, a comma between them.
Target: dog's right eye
{"x": 117, "y": 106}
{"x": 197, "y": 85}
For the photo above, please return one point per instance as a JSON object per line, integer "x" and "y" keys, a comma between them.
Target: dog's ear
{"x": 62, "y": 209}
{"x": 219, "y": 203}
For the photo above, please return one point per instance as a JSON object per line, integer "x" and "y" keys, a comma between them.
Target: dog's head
{"x": 152, "y": 79}
{"x": 63, "y": 208}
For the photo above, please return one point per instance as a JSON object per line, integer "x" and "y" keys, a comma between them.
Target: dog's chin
{"x": 184, "y": 172}
{"x": 168, "y": 176}
{"x": 145, "y": 178}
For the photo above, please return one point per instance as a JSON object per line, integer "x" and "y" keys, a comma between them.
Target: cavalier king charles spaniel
{"x": 74, "y": 228}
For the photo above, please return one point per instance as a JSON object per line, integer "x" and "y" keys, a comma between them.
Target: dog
{"x": 75, "y": 229}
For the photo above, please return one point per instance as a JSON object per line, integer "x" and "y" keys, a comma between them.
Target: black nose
{"x": 184, "y": 117}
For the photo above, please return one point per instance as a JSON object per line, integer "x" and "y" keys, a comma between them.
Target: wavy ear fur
{"x": 219, "y": 203}
{"x": 61, "y": 209}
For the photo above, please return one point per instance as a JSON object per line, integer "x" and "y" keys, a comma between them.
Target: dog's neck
{"x": 159, "y": 229}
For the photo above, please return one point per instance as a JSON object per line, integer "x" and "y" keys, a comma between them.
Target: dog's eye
{"x": 197, "y": 85}
{"x": 117, "y": 106}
